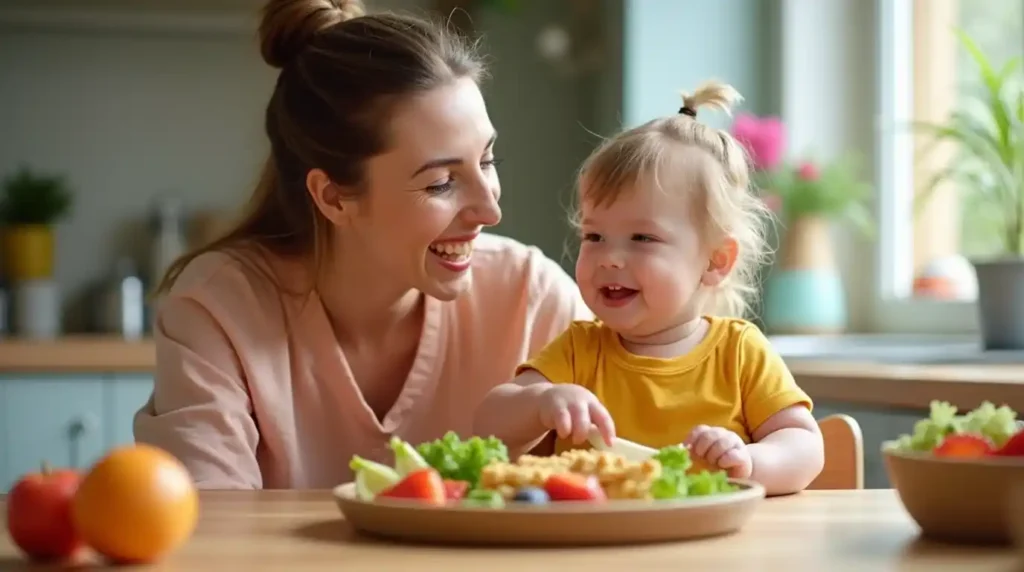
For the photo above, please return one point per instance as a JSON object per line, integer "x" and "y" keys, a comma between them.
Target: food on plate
{"x": 371, "y": 477}
{"x": 407, "y": 458}
{"x": 460, "y": 460}
{"x": 455, "y": 490}
{"x": 532, "y": 495}
{"x": 662, "y": 477}
{"x": 985, "y": 431}
{"x": 484, "y": 498}
{"x": 618, "y": 477}
{"x": 424, "y": 485}
{"x": 476, "y": 472}
{"x": 574, "y": 487}
{"x": 136, "y": 504}
{"x": 39, "y": 514}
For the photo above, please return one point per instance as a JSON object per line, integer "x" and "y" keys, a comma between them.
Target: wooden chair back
{"x": 844, "y": 454}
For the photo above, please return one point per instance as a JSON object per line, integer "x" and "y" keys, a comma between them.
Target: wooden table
{"x": 813, "y": 531}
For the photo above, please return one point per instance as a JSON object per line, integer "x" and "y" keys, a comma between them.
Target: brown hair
{"x": 721, "y": 181}
{"x": 342, "y": 72}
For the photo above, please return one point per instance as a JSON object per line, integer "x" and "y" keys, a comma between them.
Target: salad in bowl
{"x": 956, "y": 473}
{"x": 987, "y": 431}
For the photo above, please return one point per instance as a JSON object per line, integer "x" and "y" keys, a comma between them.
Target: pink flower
{"x": 763, "y": 138}
{"x": 808, "y": 172}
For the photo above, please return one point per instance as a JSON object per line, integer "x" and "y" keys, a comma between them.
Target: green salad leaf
{"x": 462, "y": 460}
{"x": 997, "y": 424}
{"x": 674, "y": 481}
{"x": 484, "y": 498}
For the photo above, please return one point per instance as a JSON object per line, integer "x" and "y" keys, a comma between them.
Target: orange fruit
{"x": 136, "y": 504}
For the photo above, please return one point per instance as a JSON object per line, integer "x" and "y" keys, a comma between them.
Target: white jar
{"x": 37, "y": 309}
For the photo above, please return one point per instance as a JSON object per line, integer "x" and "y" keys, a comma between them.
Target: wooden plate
{"x": 564, "y": 523}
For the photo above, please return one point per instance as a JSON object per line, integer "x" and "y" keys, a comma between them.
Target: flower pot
{"x": 28, "y": 252}
{"x": 804, "y": 294}
{"x": 1001, "y": 303}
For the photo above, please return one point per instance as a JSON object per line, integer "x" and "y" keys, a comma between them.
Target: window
{"x": 925, "y": 74}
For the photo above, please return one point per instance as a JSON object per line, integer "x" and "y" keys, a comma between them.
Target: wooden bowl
{"x": 554, "y": 524}
{"x": 1017, "y": 517}
{"x": 964, "y": 501}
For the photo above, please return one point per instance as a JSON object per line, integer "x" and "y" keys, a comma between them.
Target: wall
{"x": 541, "y": 121}
{"x": 125, "y": 118}
{"x": 673, "y": 45}
{"x": 130, "y": 115}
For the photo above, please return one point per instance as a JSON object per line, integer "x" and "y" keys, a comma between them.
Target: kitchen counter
{"x": 830, "y": 378}
{"x": 910, "y": 386}
{"x": 77, "y": 354}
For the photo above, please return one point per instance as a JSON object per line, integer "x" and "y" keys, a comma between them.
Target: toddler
{"x": 671, "y": 238}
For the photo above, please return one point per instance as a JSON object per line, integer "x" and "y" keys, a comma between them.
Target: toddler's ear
{"x": 720, "y": 262}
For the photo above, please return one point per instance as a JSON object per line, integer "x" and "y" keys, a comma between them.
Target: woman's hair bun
{"x": 288, "y": 25}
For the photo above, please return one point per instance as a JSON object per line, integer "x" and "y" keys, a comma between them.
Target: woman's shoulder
{"x": 504, "y": 264}
{"x": 239, "y": 282}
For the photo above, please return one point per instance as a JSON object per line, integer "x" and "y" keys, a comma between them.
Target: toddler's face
{"x": 641, "y": 261}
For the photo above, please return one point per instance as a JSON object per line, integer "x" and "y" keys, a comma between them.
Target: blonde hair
{"x": 721, "y": 180}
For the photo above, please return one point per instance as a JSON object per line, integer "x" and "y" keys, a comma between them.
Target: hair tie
{"x": 686, "y": 110}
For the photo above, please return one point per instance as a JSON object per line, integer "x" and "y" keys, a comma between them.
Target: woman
{"x": 357, "y": 299}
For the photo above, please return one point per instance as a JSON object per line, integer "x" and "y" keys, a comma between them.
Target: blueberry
{"x": 532, "y": 495}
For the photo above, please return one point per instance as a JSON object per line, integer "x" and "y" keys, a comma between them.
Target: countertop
{"x": 815, "y": 530}
{"x": 835, "y": 378}
{"x": 77, "y": 354}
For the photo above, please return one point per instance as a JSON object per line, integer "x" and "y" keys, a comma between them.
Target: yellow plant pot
{"x": 28, "y": 252}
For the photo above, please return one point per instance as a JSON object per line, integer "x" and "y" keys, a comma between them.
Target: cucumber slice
{"x": 372, "y": 478}
{"x": 407, "y": 459}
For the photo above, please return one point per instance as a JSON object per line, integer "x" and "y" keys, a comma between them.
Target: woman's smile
{"x": 454, "y": 254}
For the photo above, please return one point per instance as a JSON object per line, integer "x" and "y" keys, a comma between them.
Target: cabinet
{"x": 66, "y": 421}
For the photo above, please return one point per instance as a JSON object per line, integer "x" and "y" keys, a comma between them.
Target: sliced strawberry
{"x": 963, "y": 446}
{"x": 574, "y": 487}
{"x": 1014, "y": 447}
{"x": 455, "y": 490}
{"x": 423, "y": 485}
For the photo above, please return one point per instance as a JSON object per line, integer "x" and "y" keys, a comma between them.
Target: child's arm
{"x": 788, "y": 452}
{"x": 509, "y": 412}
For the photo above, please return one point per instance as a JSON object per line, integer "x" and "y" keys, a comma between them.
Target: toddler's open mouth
{"x": 615, "y": 295}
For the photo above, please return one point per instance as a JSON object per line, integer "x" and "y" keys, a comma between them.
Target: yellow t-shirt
{"x": 732, "y": 379}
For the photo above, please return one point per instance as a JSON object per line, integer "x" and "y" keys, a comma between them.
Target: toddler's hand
{"x": 721, "y": 448}
{"x": 571, "y": 410}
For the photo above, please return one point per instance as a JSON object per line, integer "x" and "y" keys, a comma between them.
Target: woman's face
{"x": 430, "y": 195}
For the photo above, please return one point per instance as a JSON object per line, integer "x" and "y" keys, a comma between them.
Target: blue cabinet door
{"x": 56, "y": 419}
{"x": 124, "y": 396}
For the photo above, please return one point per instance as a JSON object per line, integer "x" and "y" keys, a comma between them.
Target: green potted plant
{"x": 987, "y": 132}
{"x": 30, "y": 205}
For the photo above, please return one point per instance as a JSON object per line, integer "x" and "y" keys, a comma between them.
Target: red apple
{"x": 39, "y": 514}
